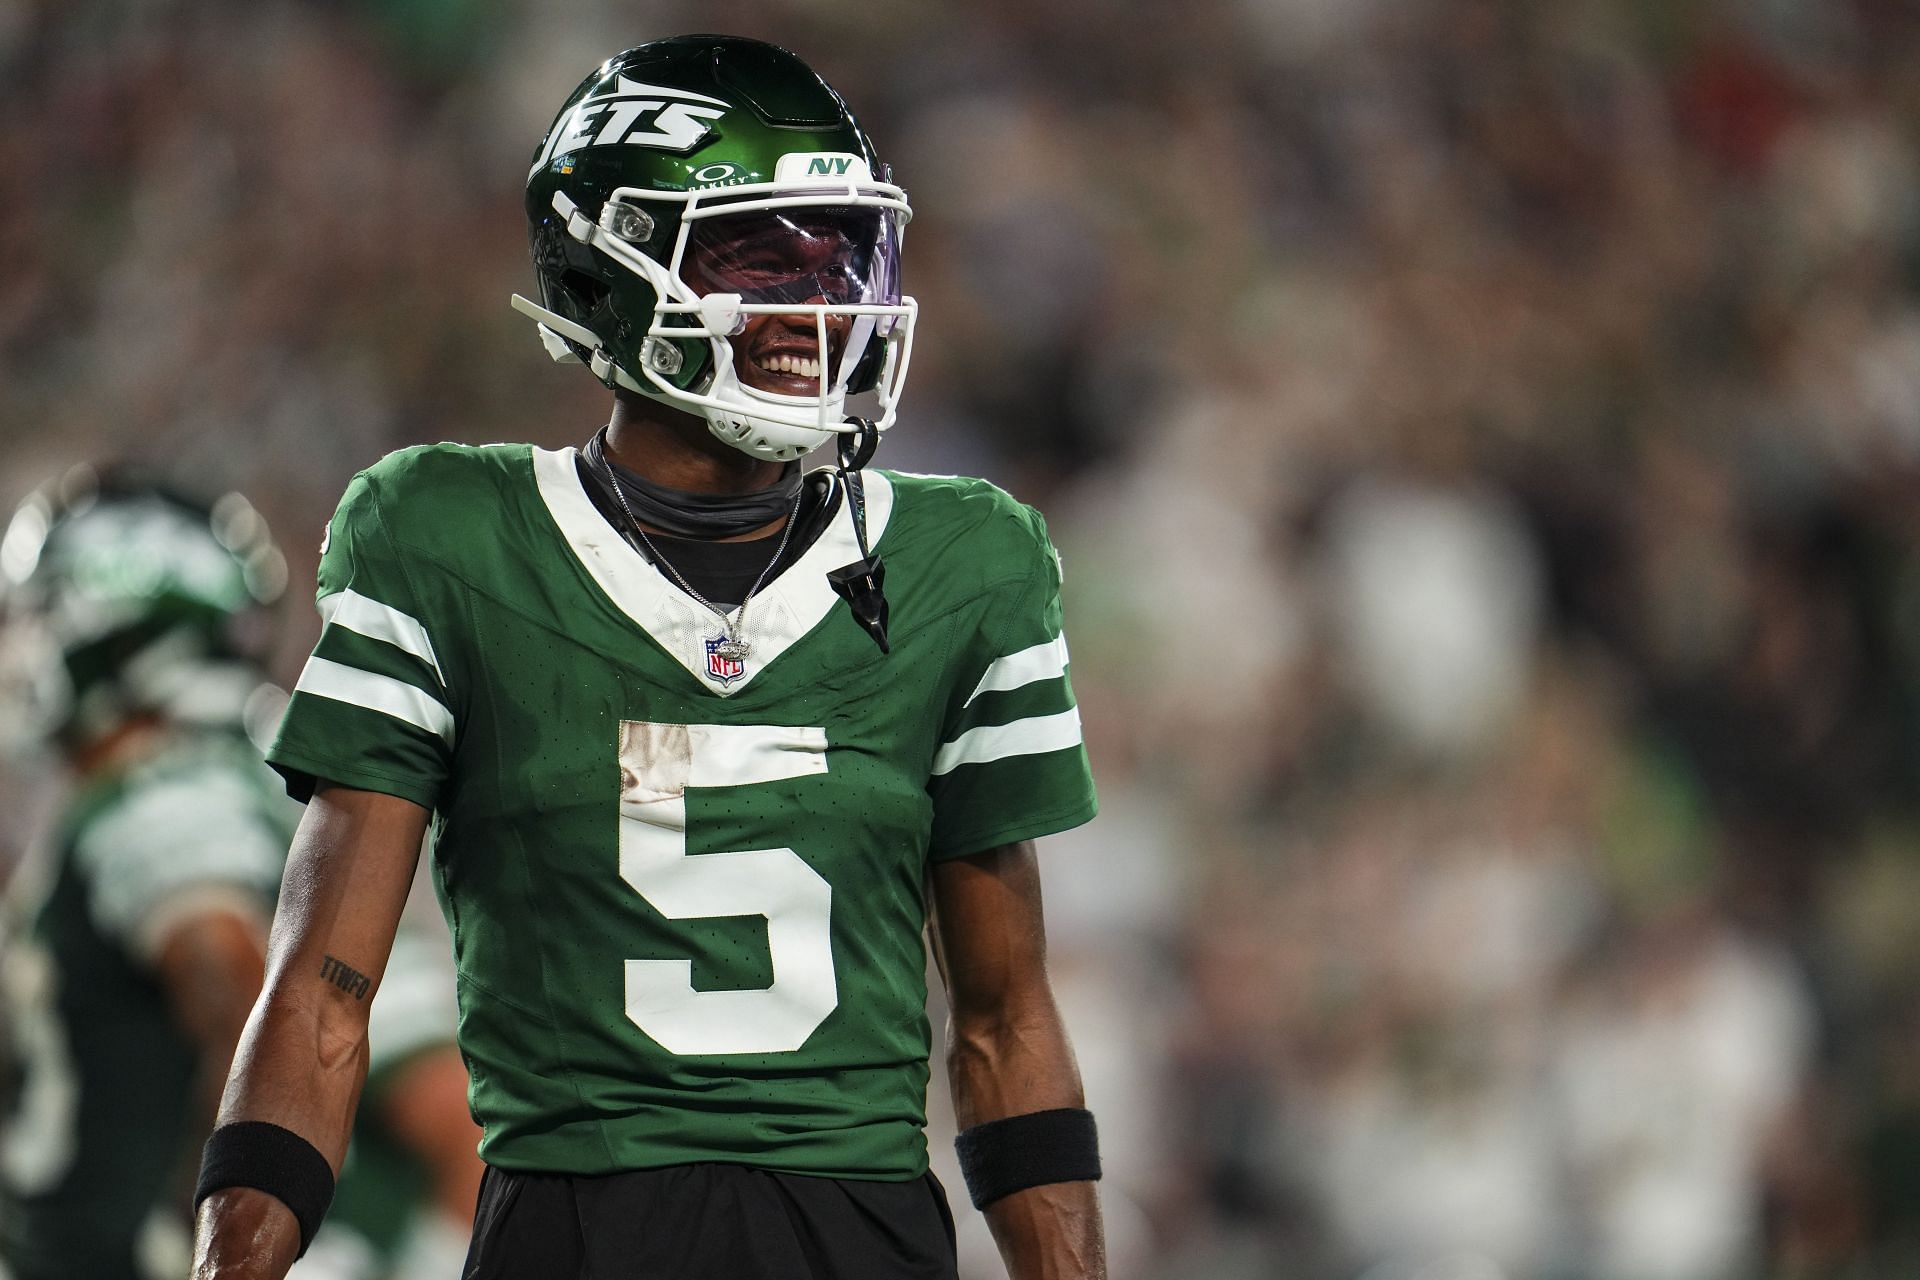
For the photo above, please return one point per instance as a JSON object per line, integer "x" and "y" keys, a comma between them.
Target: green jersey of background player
{"x": 109, "y": 1091}
{"x": 695, "y": 735}
{"x": 109, "y": 1096}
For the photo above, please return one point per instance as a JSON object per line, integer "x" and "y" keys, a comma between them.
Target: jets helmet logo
{"x": 635, "y": 115}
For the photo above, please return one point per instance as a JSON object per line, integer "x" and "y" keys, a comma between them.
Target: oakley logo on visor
{"x": 635, "y": 115}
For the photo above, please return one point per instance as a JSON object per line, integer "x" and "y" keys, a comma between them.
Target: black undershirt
{"x": 724, "y": 572}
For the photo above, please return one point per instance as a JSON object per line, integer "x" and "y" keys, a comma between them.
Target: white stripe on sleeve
{"x": 1029, "y": 666}
{"x": 378, "y": 621}
{"x": 991, "y": 742}
{"x": 396, "y": 698}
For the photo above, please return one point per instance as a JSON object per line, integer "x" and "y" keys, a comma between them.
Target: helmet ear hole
{"x": 582, "y": 290}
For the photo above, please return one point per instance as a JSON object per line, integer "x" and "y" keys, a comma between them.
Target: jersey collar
{"x": 787, "y": 608}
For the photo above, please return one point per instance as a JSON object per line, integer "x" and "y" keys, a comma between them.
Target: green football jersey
{"x": 687, "y": 891}
{"x": 97, "y": 1149}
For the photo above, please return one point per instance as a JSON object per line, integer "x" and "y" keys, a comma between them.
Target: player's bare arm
{"x": 303, "y": 1057}
{"x": 1007, "y": 1049}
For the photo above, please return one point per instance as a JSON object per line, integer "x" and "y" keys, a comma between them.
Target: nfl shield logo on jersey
{"x": 722, "y": 668}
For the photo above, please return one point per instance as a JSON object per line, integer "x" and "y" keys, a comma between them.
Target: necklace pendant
{"x": 726, "y": 659}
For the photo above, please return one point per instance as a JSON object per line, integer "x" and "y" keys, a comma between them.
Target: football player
{"x": 128, "y": 617}
{"x": 705, "y": 742}
{"x": 131, "y": 619}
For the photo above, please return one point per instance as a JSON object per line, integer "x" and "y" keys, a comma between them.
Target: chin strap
{"x": 860, "y": 583}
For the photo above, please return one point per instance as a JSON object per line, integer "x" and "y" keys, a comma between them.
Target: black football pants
{"x": 708, "y": 1222}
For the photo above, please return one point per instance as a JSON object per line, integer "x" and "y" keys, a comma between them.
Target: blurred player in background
{"x": 132, "y": 623}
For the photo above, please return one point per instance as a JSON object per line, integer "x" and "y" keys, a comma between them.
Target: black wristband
{"x": 1001, "y": 1157}
{"x": 265, "y": 1157}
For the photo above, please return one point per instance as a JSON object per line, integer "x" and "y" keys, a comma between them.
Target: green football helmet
{"x": 711, "y": 228}
{"x": 119, "y": 597}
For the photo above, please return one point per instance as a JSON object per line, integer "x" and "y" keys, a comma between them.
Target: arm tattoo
{"x": 344, "y": 976}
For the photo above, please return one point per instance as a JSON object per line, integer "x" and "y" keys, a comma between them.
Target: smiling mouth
{"x": 788, "y": 365}
{"x": 788, "y": 368}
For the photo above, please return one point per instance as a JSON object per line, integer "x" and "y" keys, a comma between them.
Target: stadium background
{"x": 1484, "y": 440}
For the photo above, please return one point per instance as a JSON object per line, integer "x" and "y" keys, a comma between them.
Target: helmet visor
{"x": 821, "y": 260}
{"x": 835, "y": 256}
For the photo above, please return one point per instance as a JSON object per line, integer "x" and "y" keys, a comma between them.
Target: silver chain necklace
{"x": 733, "y": 646}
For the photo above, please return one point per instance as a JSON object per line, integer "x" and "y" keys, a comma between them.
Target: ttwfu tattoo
{"x": 345, "y": 977}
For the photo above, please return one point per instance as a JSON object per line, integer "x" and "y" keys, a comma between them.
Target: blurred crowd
{"x": 1484, "y": 441}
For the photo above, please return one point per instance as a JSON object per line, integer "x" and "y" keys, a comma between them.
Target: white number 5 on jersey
{"x": 658, "y": 763}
